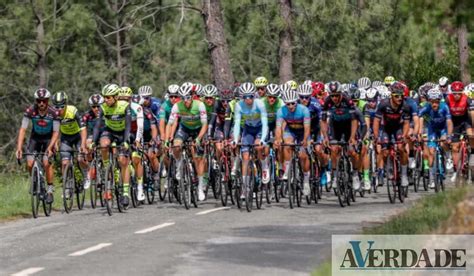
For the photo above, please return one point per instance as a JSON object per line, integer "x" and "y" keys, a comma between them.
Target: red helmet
{"x": 318, "y": 88}
{"x": 457, "y": 86}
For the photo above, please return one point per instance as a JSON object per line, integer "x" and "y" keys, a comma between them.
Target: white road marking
{"x": 212, "y": 210}
{"x": 90, "y": 249}
{"x": 28, "y": 271}
{"x": 147, "y": 230}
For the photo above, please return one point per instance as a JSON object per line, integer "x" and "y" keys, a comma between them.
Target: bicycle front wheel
{"x": 35, "y": 191}
{"x": 391, "y": 181}
{"x": 68, "y": 188}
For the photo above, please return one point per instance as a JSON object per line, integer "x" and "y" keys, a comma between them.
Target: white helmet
{"x": 247, "y": 88}
{"x": 173, "y": 89}
{"x": 377, "y": 83}
{"x": 309, "y": 82}
{"x": 364, "y": 82}
{"x": 145, "y": 91}
{"x": 363, "y": 93}
{"x": 95, "y": 99}
{"x": 384, "y": 92}
{"x": 185, "y": 89}
{"x": 435, "y": 94}
{"x": 273, "y": 90}
{"x": 289, "y": 96}
{"x": 371, "y": 93}
{"x": 209, "y": 91}
{"x": 285, "y": 88}
{"x": 305, "y": 90}
{"x": 443, "y": 81}
{"x": 198, "y": 89}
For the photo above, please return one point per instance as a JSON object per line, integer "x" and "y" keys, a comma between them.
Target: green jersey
{"x": 114, "y": 117}
{"x": 193, "y": 117}
{"x": 272, "y": 109}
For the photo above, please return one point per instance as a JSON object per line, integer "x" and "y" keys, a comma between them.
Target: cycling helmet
{"x": 59, "y": 99}
{"x": 247, "y": 88}
{"x": 260, "y": 82}
{"x": 318, "y": 88}
{"x": 364, "y": 82}
{"x": 372, "y": 93}
{"x": 285, "y": 88}
{"x": 273, "y": 90}
{"x": 137, "y": 99}
{"x": 173, "y": 89}
{"x": 198, "y": 89}
{"x": 376, "y": 83}
{"x": 413, "y": 94}
{"x": 209, "y": 91}
{"x": 42, "y": 93}
{"x": 289, "y": 95}
{"x": 353, "y": 86}
{"x": 145, "y": 91}
{"x": 309, "y": 82}
{"x": 362, "y": 92}
{"x": 334, "y": 87}
{"x": 397, "y": 88}
{"x": 469, "y": 90}
{"x": 293, "y": 84}
{"x": 125, "y": 91}
{"x": 422, "y": 90}
{"x": 457, "y": 87}
{"x": 236, "y": 89}
{"x": 226, "y": 95}
{"x": 345, "y": 88}
{"x": 389, "y": 80}
{"x": 111, "y": 90}
{"x": 434, "y": 94}
{"x": 305, "y": 90}
{"x": 384, "y": 92}
{"x": 186, "y": 89}
{"x": 95, "y": 99}
{"x": 443, "y": 82}
{"x": 355, "y": 95}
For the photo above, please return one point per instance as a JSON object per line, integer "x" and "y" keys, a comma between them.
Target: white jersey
{"x": 137, "y": 115}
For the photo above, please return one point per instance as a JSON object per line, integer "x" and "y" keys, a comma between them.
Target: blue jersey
{"x": 435, "y": 120}
{"x": 296, "y": 120}
{"x": 315, "y": 111}
{"x": 253, "y": 116}
{"x": 413, "y": 105}
{"x": 154, "y": 106}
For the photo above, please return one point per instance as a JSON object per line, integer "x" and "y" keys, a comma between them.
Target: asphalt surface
{"x": 275, "y": 240}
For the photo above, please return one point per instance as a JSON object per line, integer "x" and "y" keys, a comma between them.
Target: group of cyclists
{"x": 253, "y": 118}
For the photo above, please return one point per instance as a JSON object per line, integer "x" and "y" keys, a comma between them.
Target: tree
{"x": 286, "y": 55}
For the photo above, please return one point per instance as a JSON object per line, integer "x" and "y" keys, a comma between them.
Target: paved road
{"x": 173, "y": 241}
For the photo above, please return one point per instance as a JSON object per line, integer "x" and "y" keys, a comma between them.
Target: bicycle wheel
{"x": 68, "y": 188}
{"x": 341, "y": 191}
{"x": 185, "y": 185}
{"x": 93, "y": 191}
{"x": 298, "y": 184}
{"x": 80, "y": 192}
{"x": 35, "y": 191}
{"x": 390, "y": 179}
{"x": 417, "y": 171}
{"x": 249, "y": 187}
{"x": 119, "y": 190}
{"x": 46, "y": 206}
{"x": 163, "y": 189}
{"x": 100, "y": 182}
{"x": 237, "y": 183}
{"x": 109, "y": 188}
{"x": 133, "y": 192}
{"x": 222, "y": 180}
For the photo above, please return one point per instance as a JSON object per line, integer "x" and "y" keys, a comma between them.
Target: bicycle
{"x": 315, "y": 178}
{"x": 213, "y": 170}
{"x": 224, "y": 179}
{"x": 97, "y": 177}
{"x": 439, "y": 165}
{"x": 418, "y": 171}
{"x": 253, "y": 185}
{"x": 463, "y": 165}
{"x": 295, "y": 177}
{"x": 188, "y": 180}
{"x": 344, "y": 169}
{"x": 112, "y": 189}
{"x": 71, "y": 186}
{"x": 37, "y": 190}
{"x": 392, "y": 171}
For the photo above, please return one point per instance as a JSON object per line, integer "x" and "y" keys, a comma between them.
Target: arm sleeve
{"x": 237, "y": 118}
{"x": 25, "y": 122}
{"x": 264, "y": 118}
{"x": 56, "y": 125}
{"x": 306, "y": 117}
{"x": 227, "y": 122}
{"x": 203, "y": 113}
{"x": 79, "y": 120}
{"x": 174, "y": 114}
{"x": 140, "y": 120}
{"x": 128, "y": 124}
{"x": 279, "y": 120}
{"x": 212, "y": 122}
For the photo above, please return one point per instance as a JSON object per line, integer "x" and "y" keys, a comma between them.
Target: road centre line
{"x": 147, "y": 230}
{"x": 90, "y": 249}
{"x": 212, "y": 210}
{"x": 28, "y": 271}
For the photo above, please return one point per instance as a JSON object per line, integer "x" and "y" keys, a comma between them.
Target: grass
{"x": 15, "y": 198}
{"x": 425, "y": 217}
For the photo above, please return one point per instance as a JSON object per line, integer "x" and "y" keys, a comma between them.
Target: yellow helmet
{"x": 293, "y": 84}
{"x": 389, "y": 80}
{"x": 260, "y": 82}
{"x": 125, "y": 91}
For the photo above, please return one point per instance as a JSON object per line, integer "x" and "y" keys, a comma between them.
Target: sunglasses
{"x": 305, "y": 97}
{"x": 59, "y": 106}
{"x": 43, "y": 101}
{"x": 290, "y": 104}
{"x": 174, "y": 97}
{"x": 108, "y": 97}
{"x": 271, "y": 98}
{"x": 94, "y": 106}
{"x": 335, "y": 95}
{"x": 209, "y": 98}
{"x": 397, "y": 96}
{"x": 146, "y": 98}
{"x": 246, "y": 97}
{"x": 187, "y": 98}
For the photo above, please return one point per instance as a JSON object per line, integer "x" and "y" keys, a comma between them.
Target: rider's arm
{"x": 97, "y": 126}
{"x": 279, "y": 123}
{"x": 227, "y": 122}
{"x": 237, "y": 118}
{"x": 203, "y": 118}
{"x": 128, "y": 124}
{"x": 139, "y": 112}
{"x": 264, "y": 118}
{"x": 21, "y": 134}
{"x": 306, "y": 124}
{"x": 55, "y": 137}
{"x": 172, "y": 123}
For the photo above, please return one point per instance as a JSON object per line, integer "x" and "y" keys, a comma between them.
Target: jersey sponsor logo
{"x": 42, "y": 123}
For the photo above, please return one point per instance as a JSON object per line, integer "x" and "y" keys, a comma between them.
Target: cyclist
{"x": 165, "y": 112}
{"x": 364, "y": 83}
{"x": 392, "y": 119}
{"x": 116, "y": 116}
{"x": 188, "y": 119}
{"x": 388, "y": 81}
{"x": 217, "y": 121}
{"x": 44, "y": 135}
{"x": 253, "y": 115}
{"x": 89, "y": 119}
{"x": 461, "y": 109}
{"x": 340, "y": 112}
{"x": 261, "y": 85}
{"x": 369, "y": 111}
{"x": 73, "y": 133}
{"x": 318, "y": 92}
{"x": 438, "y": 126}
{"x": 443, "y": 86}
{"x": 294, "y": 126}
{"x": 197, "y": 91}
{"x": 150, "y": 102}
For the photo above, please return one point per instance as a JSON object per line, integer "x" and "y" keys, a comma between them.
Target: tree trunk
{"x": 218, "y": 48}
{"x": 360, "y": 7}
{"x": 463, "y": 53}
{"x": 285, "y": 53}
{"x": 40, "y": 45}
{"x": 120, "y": 38}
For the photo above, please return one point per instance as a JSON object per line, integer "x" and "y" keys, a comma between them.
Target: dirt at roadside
{"x": 462, "y": 220}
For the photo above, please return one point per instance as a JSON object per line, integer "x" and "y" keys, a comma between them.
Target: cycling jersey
{"x": 295, "y": 121}
{"x": 435, "y": 120}
{"x": 71, "y": 121}
{"x": 392, "y": 117}
{"x": 154, "y": 106}
{"x": 369, "y": 112}
{"x": 165, "y": 111}
{"x": 117, "y": 120}
{"x": 413, "y": 106}
{"x": 217, "y": 121}
{"x": 43, "y": 125}
{"x": 136, "y": 112}
{"x": 272, "y": 110}
{"x": 315, "y": 111}
{"x": 252, "y": 117}
{"x": 191, "y": 118}
{"x": 459, "y": 109}
{"x": 342, "y": 112}
{"x": 89, "y": 119}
